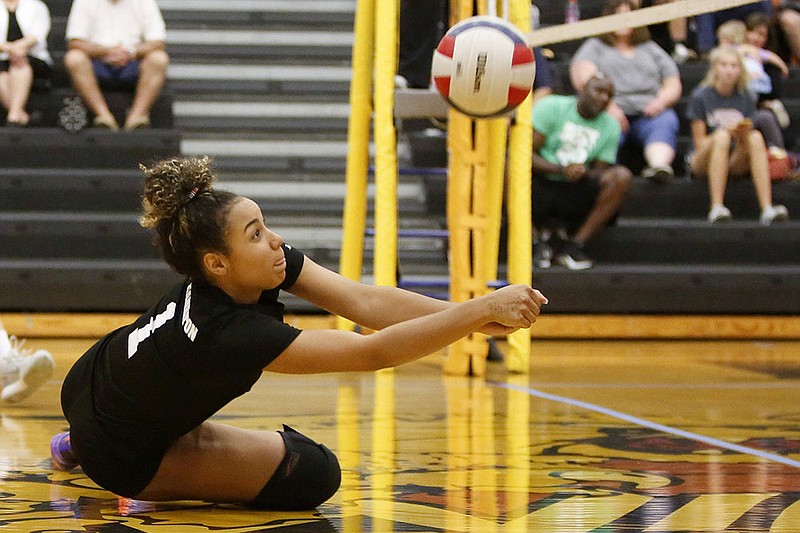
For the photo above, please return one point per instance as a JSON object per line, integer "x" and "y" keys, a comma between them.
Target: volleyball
{"x": 483, "y": 66}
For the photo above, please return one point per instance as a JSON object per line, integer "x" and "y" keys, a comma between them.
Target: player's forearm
{"x": 386, "y": 306}
{"x": 412, "y": 339}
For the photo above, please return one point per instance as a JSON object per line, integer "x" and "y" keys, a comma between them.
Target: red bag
{"x": 780, "y": 166}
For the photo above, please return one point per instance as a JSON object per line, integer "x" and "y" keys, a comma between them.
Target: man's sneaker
{"x": 774, "y": 213}
{"x": 542, "y": 254}
{"x": 719, "y": 213}
{"x": 658, "y": 174}
{"x": 573, "y": 257}
{"x": 61, "y": 452}
{"x": 23, "y": 372}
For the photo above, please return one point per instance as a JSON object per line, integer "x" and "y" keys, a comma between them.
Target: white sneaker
{"x": 779, "y": 110}
{"x": 719, "y": 213}
{"x": 681, "y": 53}
{"x": 21, "y": 372}
{"x": 774, "y": 213}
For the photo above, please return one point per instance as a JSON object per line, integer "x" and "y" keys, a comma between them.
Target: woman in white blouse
{"x": 24, "y": 27}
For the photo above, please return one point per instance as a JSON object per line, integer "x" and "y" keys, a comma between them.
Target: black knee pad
{"x": 308, "y": 475}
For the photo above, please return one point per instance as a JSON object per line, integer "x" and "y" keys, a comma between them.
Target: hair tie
{"x": 191, "y": 195}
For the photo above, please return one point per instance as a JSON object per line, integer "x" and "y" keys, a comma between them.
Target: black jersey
{"x": 184, "y": 359}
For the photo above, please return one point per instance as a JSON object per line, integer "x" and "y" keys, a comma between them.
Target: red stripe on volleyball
{"x": 516, "y": 95}
{"x": 447, "y": 45}
{"x": 443, "y": 85}
{"x": 522, "y": 55}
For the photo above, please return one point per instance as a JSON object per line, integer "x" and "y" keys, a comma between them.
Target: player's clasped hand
{"x": 513, "y": 307}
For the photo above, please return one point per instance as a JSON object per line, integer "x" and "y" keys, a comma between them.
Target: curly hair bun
{"x": 170, "y": 184}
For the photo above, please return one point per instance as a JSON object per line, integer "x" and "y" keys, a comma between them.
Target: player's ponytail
{"x": 188, "y": 215}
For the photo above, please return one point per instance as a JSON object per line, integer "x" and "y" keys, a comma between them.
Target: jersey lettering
{"x": 140, "y": 334}
{"x": 188, "y": 326}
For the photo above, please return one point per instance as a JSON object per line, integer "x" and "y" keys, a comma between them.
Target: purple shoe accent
{"x": 61, "y": 452}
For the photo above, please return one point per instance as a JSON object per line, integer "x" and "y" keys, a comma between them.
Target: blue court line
{"x": 652, "y": 425}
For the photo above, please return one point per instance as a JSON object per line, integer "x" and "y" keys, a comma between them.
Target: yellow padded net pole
{"x": 495, "y": 174}
{"x": 468, "y": 206}
{"x": 520, "y": 239}
{"x": 387, "y": 15}
{"x": 476, "y": 169}
{"x": 355, "y": 202}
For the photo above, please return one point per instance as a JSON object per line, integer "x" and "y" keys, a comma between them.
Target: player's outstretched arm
{"x": 371, "y": 306}
{"x": 315, "y": 351}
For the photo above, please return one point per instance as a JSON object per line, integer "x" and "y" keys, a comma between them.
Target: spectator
{"x": 24, "y": 25}
{"x": 787, "y": 16}
{"x": 21, "y": 372}
{"x": 576, "y": 186}
{"x": 760, "y": 33}
{"x": 734, "y": 33}
{"x": 543, "y": 83}
{"x": 706, "y": 24}
{"x": 118, "y": 42}
{"x": 672, "y": 36}
{"x": 646, "y": 83}
{"x": 422, "y": 25}
{"x": 721, "y": 110}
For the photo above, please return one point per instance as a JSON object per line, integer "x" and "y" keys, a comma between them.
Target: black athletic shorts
{"x": 105, "y": 460}
{"x": 563, "y": 204}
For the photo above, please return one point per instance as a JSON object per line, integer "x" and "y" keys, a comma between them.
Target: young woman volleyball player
{"x": 139, "y": 401}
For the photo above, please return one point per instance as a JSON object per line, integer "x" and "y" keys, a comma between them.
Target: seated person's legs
{"x": 82, "y": 73}
{"x": 711, "y": 161}
{"x": 152, "y": 73}
{"x": 658, "y": 137}
{"x": 615, "y": 182}
{"x": 789, "y": 22}
{"x": 16, "y": 82}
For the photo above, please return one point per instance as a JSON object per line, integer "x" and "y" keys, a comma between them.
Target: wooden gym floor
{"x": 602, "y": 436}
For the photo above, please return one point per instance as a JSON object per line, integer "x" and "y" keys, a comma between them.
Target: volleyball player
{"x": 139, "y": 401}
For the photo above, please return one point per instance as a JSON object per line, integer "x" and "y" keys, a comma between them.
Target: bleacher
{"x": 262, "y": 87}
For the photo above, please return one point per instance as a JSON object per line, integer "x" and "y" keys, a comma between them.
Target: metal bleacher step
{"x": 672, "y": 289}
{"x": 696, "y": 241}
{"x": 688, "y": 198}
{"x": 258, "y": 77}
{"x": 281, "y": 45}
{"x": 286, "y": 14}
{"x": 239, "y": 115}
{"x": 83, "y": 284}
{"x": 91, "y": 148}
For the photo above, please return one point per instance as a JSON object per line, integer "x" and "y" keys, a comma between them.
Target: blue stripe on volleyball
{"x": 486, "y": 23}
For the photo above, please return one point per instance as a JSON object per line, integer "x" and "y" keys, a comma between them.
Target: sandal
{"x": 105, "y": 123}
{"x": 138, "y": 124}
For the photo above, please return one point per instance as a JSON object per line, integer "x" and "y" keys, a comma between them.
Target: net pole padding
{"x": 520, "y": 238}
{"x": 358, "y": 134}
{"x": 478, "y": 347}
{"x": 459, "y": 185}
{"x": 639, "y": 17}
{"x": 468, "y": 208}
{"x": 495, "y": 173}
{"x": 387, "y": 15}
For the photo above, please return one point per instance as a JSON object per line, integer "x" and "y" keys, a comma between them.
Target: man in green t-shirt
{"x": 577, "y": 185}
